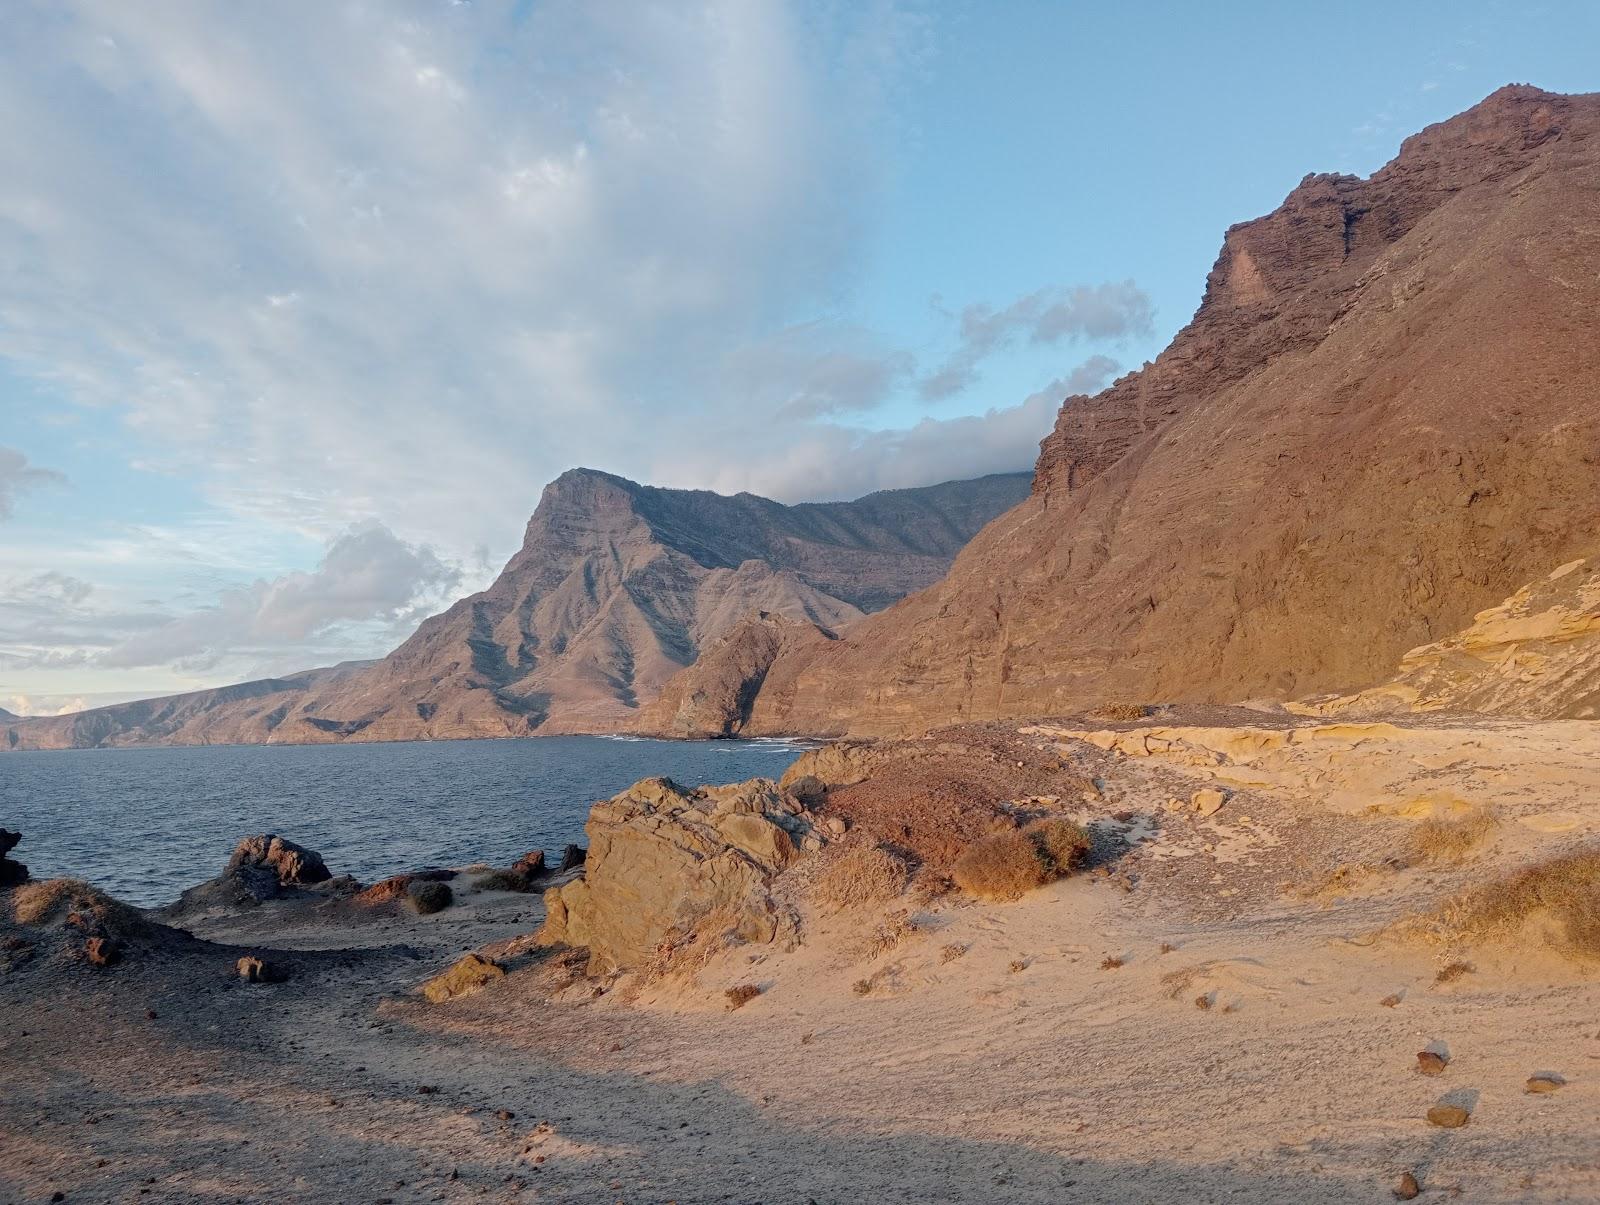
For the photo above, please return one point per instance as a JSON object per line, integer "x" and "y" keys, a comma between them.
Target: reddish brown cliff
{"x": 1380, "y": 421}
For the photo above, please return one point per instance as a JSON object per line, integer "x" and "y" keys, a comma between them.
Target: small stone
{"x": 1391, "y": 1001}
{"x": 1207, "y": 801}
{"x": 257, "y": 970}
{"x": 505, "y": 1115}
{"x": 102, "y": 951}
{"x": 1448, "y": 1117}
{"x": 1408, "y": 1188}
{"x": 427, "y": 1090}
{"x": 1431, "y": 1062}
{"x": 1545, "y": 1081}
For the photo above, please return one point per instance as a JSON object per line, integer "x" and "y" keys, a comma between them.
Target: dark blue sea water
{"x": 146, "y": 823}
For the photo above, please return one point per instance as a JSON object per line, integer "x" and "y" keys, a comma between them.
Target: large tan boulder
{"x": 662, "y": 857}
{"x": 469, "y": 973}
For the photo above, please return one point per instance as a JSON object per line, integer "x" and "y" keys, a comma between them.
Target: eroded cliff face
{"x": 1380, "y": 421}
{"x": 616, "y": 588}
{"x": 1536, "y": 655}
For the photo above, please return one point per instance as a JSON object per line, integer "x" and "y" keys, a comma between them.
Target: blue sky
{"x": 304, "y": 303}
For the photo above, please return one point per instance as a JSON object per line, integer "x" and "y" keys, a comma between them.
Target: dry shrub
{"x": 862, "y": 987}
{"x": 689, "y": 946}
{"x": 1001, "y": 866}
{"x": 1442, "y": 840}
{"x": 1564, "y": 890}
{"x": 862, "y": 874}
{"x": 79, "y": 903}
{"x": 929, "y": 885}
{"x": 895, "y": 929}
{"x": 1120, "y": 712}
{"x": 1453, "y": 972}
{"x": 1061, "y": 843}
{"x": 1112, "y": 962}
{"x": 952, "y": 952}
{"x": 1008, "y": 865}
{"x": 741, "y": 995}
{"x": 503, "y": 880}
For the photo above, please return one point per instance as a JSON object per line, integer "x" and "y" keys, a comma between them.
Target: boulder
{"x": 290, "y": 865}
{"x": 1208, "y": 801}
{"x": 469, "y": 973}
{"x": 1447, "y": 1116}
{"x": 261, "y": 868}
{"x": 102, "y": 951}
{"x": 572, "y": 857}
{"x": 11, "y": 872}
{"x": 531, "y": 864}
{"x": 386, "y": 891}
{"x": 663, "y": 858}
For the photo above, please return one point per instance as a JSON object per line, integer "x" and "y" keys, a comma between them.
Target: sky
{"x": 303, "y": 303}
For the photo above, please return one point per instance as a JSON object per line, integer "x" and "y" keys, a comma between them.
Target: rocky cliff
{"x": 616, "y": 588}
{"x": 1536, "y": 655}
{"x": 1380, "y": 421}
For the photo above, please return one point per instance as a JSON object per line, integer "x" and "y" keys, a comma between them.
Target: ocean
{"x": 146, "y": 823}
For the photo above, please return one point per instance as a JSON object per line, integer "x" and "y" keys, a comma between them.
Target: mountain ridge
{"x": 1374, "y": 426}
{"x": 615, "y": 588}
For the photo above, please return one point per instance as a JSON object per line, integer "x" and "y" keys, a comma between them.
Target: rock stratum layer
{"x": 616, "y": 588}
{"x": 1380, "y": 421}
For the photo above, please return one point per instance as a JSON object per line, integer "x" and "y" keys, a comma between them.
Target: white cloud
{"x": 403, "y": 263}
{"x": 17, "y": 475}
{"x": 1109, "y": 311}
{"x": 836, "y": 461}
{"x": 366, "y": 576}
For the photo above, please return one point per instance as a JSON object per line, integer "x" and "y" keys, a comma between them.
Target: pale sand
{"x": 951, "y": 1080}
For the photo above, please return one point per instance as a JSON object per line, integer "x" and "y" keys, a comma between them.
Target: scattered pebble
{"x": 1545, "y": 1081}
{"x": 1431, "y": 1062}
{"x": 1408, "y": 1188}
{"x": 1448, "y": 1117}
{"x": 505, "y": 1115}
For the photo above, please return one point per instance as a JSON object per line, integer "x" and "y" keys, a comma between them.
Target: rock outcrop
{"x": 467, "y": 974}
{"x": 716, "y": 696}
{"x": 12, "y": 872}
{"x": 617, "y": 587}
{"x": 663, "y": 858}
{"x": 261, "y": 868}
{"x": 1379, "y": 422}
{"x": 1536, "y": 655}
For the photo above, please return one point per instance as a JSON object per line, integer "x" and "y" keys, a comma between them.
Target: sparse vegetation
{"x": 1007, "y": 865}
{"x": 1562, "y": 892}
{"x": 1441, "y": 839}
{"x": 952, "y": 952}
{"x": 82, "y": 905}
{"x": 1120, "y": 712}
{"x": 1018, "y": 965}
{"x": 741, "y": 995}
{"x": 502, "y": 880}
{"x": 1112, "y": 962}
{"x": 861, "y": 874}
{"x": 898, "y": 926}
{"x": 1449, "y": 974}
{"x": 427, "y": 898}
{"x": 862, "y": 987}
{"x": 688, "y": 947}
